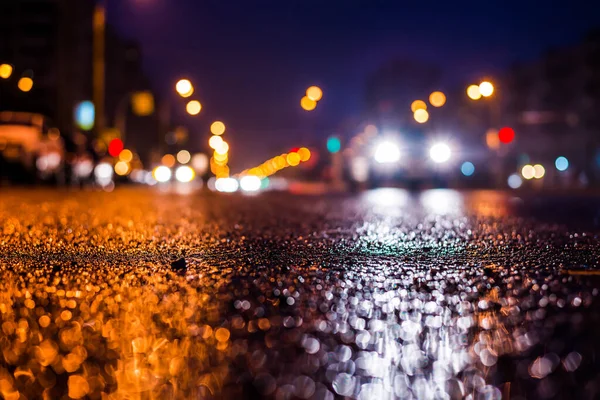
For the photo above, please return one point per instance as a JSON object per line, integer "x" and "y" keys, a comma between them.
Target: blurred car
{"x": 29, "y": 147}
{"x": 411, "y": 159}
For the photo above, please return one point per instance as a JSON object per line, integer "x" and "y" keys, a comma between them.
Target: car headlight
{"x": 387, "y": 152}
{"x": 440, "y": 153}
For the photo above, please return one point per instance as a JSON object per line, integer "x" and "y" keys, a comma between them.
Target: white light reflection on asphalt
{"x": 416, "y": 343}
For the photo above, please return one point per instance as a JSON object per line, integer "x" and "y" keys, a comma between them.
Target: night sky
{"x": 252, "y": 60}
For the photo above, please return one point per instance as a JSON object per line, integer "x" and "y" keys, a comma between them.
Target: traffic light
{"x": 115, "y": 147}
{"x": 506, "y": 135}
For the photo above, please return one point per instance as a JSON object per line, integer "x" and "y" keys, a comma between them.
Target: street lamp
{"x": 217, "y": 128}
{"x": 437, "y": 99}
{"x": 314, "y": 93}
{"x": 486, "y": 89}
{"x": 418, "y": 105}
{"x": 184, "y": 88}
{"x": 6, "y": 71}
{"x": 25, "y": 84}
{"x": 308, "y": 104}
{"x": 193, "y": 107}
{"x": 473, "y": 92}
{"x": 214, "y": 142}
{"x": 421, "y": 116}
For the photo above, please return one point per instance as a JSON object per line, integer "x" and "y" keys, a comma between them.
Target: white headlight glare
{"x": 440, "y": 153}
{"x": 387, "y": 152}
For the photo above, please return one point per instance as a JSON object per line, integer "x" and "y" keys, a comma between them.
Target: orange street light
{"x": 473, "y": 92}
{"x": 214, "y": 142}
{"x": 25, "y": 84}
{"x": 6, "y": 71}
{"x": 314, "y": 93}
{"x": 168, "y": 160}
{"x": 217, "y": 128}
{"x": 486, "y": 89}
{"x": 421, "y": 116}
{"x": 293, "y": 159}
{"x": 184, "y": 88}
{"x": 418, "y": 105}
{"x": 193, "y": 107}
{"x": 223, "y": 148}
{"x": 437, "y": 99}
{"x": 304, "y": 154}
{"x": 308, "y": 104}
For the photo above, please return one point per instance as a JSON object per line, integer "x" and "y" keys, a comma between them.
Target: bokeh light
{"x": 418, "y": 105}
{"x": 473, "y": 92}
{"x": 467, "y": 168}
{"x": 437, "y": 99}
{"x": 293, "y": 159}
{"x": 250, "y": 183}
{"x": 515, "y": 181}
{"x": 304, "y": 154}
{"x": 223, "y": 148}
{"x": 184, "y": 88}
{"x": 142, "y": 103}
{"x": 184, "y": 174}
{"x": 561, "y": 163}
{"x": 193, "y": 107}
{"x": 370, "y": 130}
{"x": 168, "y": 160}
{"x": 506, "y": 135}
{"x": 6, "y": 71}
{"x": 280, "y": 161}
{"x": 421, "y": 116}
{"x": 308, "y": 104}
{"x": 122, "y": 168}
{"x": 162, "y": 174}
{"x": 387, "y": 152}
{"x": 539, "y": 171}
{"x": 183, "y": 157}
{"x": 115, "y": 147}
{"x": 440, "y": 153}
{"x": 200, "y": 163}
{"x": 126, "y": 155}
{"x": 486, "y": 89}
{"x": 492, "y": 139}
{"x": 217, "y": 128}
{"x": 220, "y": 158}
{"x": 103, "y": 171}
{"x": 25, "y": 84}
{"x": 85, "y": 114}
{"x": 226, "y": 185}
{"x": 528, "y": 172}
{"x": 333, "y": 144}
{"x": 314, "y": 93}
{"x": 215, "y": 141}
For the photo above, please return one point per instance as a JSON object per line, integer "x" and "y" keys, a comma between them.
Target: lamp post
{"x": 99, "y": 64}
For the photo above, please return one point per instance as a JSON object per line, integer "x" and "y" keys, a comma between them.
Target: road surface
{"x": 141, "y": 294}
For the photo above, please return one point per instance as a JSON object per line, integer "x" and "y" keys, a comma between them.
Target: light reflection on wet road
{"x": 380, "y": 295}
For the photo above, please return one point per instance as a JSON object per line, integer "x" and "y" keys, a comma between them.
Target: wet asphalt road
{"x": 138, "y": 294}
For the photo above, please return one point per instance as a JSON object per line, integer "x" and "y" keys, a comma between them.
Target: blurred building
{"x": 124, "y": 78}
{"x": 553, "y": 105}
{"x": 51, "y": 42}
